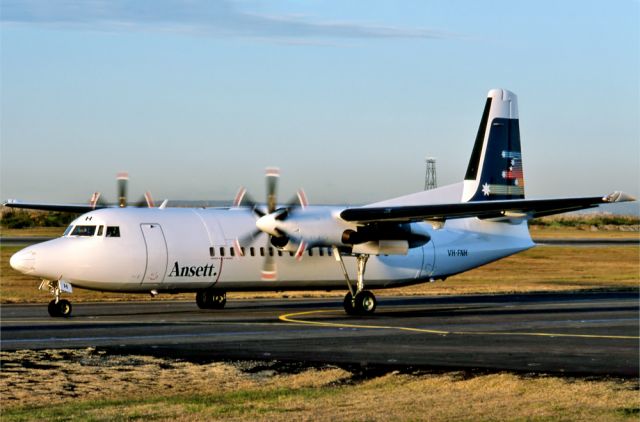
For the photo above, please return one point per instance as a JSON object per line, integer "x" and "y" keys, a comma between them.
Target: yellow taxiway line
{"x": 294, "y": 318}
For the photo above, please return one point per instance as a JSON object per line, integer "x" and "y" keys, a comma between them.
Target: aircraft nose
{"x": 23, "y": 261}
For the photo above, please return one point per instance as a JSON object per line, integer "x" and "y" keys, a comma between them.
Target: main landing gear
{"x": 57, "y": 307}
{"x": 211, "y": 299}
{"x": 360, "y": 301}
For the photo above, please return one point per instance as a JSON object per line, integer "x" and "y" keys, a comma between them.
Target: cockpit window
{"x": 83, "y": 231}
{"x": 66, "y": 232}
{"x": 113, "y": 231}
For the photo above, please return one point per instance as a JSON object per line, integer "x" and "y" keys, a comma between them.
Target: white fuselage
{"x": 187, "y": 249}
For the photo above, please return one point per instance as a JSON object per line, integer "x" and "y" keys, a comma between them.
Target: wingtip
{"x": 619, "y": 196}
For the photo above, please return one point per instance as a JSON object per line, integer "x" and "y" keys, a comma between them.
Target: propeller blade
{"x": 94, "y": 199}
{"x": 149, "y": 199}
{"x": 299, "y": 201}
{"x": 145, "y": 201}
{"x": 243, "y": 196}
{"x": 272, "y": 176}
{"x": 302, "y": 199}
{"x": 238, "y": 249}
{"x": 248, "y": 239}
{"x": 239, "y": 196}
{"x": 300, "y": 252}
{"x": 269, "y": 269}
{"x": 123, "y": 178}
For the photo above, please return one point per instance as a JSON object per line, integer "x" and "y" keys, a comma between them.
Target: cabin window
{"x": 261, "y": 251}
{"x": 290, "y": 253}
{"x": 66, "y": 232}
{"x": 310, "y": 252}
{"x": 252, "y": 251}
{"x": 321, "y": 251}
{"x": 100, "y": 230}
{"x": 212, "y": 251}
{"x": 113, "y": 231}
{"x": 279, "y": 252}
{"x": 270, "y": 251}
{"x": 232, "y": 251}
{"x": 221, "y": 251}
{"x": 242, "y": 250}
{"x": 83, "y": 231}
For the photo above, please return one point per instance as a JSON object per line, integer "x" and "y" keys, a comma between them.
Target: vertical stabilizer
{"x": 495, "y": 168}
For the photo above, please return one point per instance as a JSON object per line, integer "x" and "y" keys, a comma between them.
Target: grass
{"x": 582, "y": 232}
{"x": 593, "y": 226}
{"x": 85, "y": 385}
{"x": 33, "y": 232}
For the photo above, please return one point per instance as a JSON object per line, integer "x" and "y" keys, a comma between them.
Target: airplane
{"x": 421, "y": 237}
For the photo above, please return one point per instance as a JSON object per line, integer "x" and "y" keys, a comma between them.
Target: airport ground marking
{"x": 293, "y": 318}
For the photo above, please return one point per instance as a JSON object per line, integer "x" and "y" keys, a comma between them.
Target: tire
{"x": 211, "y": 299}
{"x": 365, "y": 303}
{"x": 201, "y": 299}
{"x": 347, "y": 303}
{"x": 53, "y": 309}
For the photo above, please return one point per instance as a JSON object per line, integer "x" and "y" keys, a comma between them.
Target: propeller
{"x": 275, "y": 237}
{"x": 122, "y": 179}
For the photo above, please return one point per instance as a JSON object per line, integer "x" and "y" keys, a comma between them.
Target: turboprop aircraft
{"x": 421, "y": 237}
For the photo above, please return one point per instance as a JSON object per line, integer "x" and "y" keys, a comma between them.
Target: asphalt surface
{"x": 573, "y": 334}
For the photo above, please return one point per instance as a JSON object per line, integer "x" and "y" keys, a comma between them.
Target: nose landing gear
{"x": 57, "y": 307}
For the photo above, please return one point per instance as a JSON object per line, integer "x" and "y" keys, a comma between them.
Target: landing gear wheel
{"x": 364, "y": 303}
{"x": 64, "y": 308}
{"x": 348, "y": 304}
{"x": 201, "y": 299}
{"x": 60, "y": 309}
{"x": 211, "y": 299}
{"x": 53, "y": 309}
{"x": 216, "y": 299}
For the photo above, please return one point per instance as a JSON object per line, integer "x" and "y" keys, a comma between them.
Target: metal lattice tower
{"x": 430, "y": 180}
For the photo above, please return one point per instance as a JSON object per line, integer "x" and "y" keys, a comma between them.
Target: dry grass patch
{"x": 85, "y": 385}
{"x": 33, "y": 232}
{"x": 547, "y": 268}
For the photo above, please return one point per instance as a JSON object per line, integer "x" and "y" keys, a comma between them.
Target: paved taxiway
{"x": 585, "y": 333}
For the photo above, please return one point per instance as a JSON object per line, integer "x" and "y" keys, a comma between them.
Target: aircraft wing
{"x": 77, "y": 208}
{"x": 521, "y": 208}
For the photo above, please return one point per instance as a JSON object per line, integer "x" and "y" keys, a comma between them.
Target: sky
{"x": 194, "y": 98}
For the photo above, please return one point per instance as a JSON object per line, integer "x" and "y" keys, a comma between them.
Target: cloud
{"x": 220, "y": 18}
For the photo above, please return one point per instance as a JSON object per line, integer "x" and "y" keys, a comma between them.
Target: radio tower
{"x": 430, "y": 180}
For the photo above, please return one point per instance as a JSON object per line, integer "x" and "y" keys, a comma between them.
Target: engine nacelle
{"x": 322, "y": 226}
{"x": 387, "y": 232}
{"x": 382, "y": 247}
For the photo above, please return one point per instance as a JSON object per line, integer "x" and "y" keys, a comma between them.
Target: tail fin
{"x": 495, "y": 168}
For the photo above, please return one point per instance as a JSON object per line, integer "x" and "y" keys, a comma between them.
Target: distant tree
{"x": 21, "y": 219}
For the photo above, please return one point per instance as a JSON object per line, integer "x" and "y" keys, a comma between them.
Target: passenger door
{"x": 156, "y": 245}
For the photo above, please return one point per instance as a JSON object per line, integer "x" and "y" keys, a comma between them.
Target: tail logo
{"x": 512, "y": 182}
